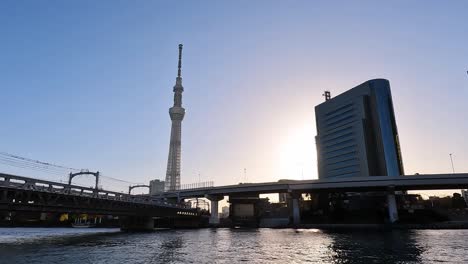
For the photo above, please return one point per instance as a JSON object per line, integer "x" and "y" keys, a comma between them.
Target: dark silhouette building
{"x": 357, "y": 134}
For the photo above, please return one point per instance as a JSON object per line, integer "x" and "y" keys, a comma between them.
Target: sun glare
{"x": 298, "y": 155}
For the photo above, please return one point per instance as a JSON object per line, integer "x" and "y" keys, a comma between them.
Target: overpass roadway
{"x": 358, "y": 184}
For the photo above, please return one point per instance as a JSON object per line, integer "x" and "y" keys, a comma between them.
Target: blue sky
{"x": 88, "y": 84}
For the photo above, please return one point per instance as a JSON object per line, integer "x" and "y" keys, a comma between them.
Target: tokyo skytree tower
{"x": 176, "y": 113}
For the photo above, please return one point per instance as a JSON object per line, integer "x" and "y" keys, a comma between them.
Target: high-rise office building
{"x": 176, "y": 113}
{"x": 357, "y": 134}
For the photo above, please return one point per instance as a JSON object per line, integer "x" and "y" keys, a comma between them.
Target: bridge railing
{"x": 197, "y": 185}
{"x": 31, "y": 184}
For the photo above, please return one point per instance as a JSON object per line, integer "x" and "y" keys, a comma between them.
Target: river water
{"x": 74, "y": 245}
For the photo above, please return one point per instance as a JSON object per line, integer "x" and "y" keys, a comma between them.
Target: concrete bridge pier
{"x": 214, "y": 215}
{"x": 392, "y": 206}
{"x": 137, "y": 223}
{"x": 296, "y": 211}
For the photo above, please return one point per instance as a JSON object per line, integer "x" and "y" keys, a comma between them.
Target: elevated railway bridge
{"x": 23, "y": 194}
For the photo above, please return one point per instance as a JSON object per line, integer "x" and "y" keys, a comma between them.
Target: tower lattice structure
{"x": 176, "y": 113}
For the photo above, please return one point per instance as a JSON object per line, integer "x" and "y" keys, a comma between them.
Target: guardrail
{"x": 31, "y": 184}
{"x": 197, "y": 185}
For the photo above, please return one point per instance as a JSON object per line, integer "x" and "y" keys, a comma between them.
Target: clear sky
{"x": 88, "y": 84}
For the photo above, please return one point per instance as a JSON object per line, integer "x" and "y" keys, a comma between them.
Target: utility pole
{"x": 451, "y": 160}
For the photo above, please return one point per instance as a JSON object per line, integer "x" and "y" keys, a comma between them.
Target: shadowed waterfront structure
{"x": 357, "y": 136}
{"x": 176, "y": 113}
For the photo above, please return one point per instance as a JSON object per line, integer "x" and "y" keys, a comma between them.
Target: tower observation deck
{"x": 176, "y": 112}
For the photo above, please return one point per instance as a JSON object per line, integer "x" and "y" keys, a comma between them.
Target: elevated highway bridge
{"x": 358, "y": 184}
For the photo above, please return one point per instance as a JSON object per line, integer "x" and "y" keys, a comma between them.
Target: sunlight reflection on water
{"x": 22, "y": 245}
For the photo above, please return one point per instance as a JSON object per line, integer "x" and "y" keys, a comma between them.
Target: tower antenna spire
{"x": 176, "y": 112}
{"x": 180, "y": 61}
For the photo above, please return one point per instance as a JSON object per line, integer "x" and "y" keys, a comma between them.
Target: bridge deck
{"x": 375, "y": 183}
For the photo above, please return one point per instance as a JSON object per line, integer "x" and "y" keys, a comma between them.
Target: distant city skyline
{"x": 87, "y": 84}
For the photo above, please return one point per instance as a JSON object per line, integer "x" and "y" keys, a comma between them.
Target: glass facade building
{"x": 357, "y": 134}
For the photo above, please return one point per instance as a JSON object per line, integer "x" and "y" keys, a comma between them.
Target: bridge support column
{"x": 392, "y": 206}
{"x": 214, "y": 215}
{"x": 137, "y": 223}
{"x": 296, "y": 212}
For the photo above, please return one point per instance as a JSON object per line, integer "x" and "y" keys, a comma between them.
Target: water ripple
{"x": 41, "y": 245}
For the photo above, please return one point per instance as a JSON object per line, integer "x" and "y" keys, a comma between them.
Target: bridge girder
{"x": 130, "y": 188}
{"x": 73, "y": 175}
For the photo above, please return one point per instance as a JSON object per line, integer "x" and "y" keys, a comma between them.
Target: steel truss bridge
{"x": 19, "y": 193}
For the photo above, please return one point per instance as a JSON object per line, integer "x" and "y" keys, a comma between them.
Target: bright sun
{"x": 298, "y": 155}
